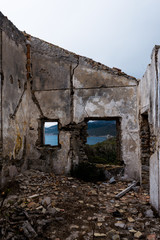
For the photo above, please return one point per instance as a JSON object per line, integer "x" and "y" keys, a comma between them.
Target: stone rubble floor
{"x": 43, "y": 206}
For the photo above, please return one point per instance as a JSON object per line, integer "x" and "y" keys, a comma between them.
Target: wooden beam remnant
{"x": 121, "y": 194}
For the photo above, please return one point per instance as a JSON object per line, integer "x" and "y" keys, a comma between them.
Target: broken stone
{"x": 149, "y": 213}
{"x": 46, "y": 201}
{"x": 51, "y": 210}
{"x": 72, "y": 203}
{"x": 99, "y": 235}
{"x": 34, "y": 196}
{"x": 44, "y": 210}
{"x": 130, "y": 219}
{"x": 120, "y": 224}
{"x": 112, "y": 180}
{"x": 28, "y": 230}
{"x": 138, "y": 234}
{"x": 132, "y": 231}
{"x": 74, "y": 226}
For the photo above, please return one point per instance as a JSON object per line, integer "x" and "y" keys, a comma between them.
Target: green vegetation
{"x": 103, "y": 152}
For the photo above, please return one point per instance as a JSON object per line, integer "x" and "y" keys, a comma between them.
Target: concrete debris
{"x": 112, "y": 180}
{"x": 59, "y": 207}
{"x": 149, "y": 213}
{"x": 138, "y": 234}
{"x": 120, "y": 224}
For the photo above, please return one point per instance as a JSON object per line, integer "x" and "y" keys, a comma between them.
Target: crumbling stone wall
{"x": 42, "y": 82}
{"x": 150, "y": 103}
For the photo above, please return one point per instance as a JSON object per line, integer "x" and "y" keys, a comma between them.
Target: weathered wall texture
{"x": 44, "y": 82}
{"x": 150, "y": 105}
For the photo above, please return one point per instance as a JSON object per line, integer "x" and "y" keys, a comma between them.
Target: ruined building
{"x": 41, "y": 82}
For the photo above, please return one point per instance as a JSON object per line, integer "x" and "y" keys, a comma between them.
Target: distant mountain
{"x": 101, "y": 128}
{"x": 53, "y": 130}
{"x": 95, "y": 128}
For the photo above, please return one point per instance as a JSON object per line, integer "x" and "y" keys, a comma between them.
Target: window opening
{"x": 51, "y": 133}
{"x": 103, "y": 143}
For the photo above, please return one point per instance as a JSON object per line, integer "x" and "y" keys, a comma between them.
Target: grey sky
{"x": 117, "y": 33}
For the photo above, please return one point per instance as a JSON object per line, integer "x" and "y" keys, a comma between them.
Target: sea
{"x": 93, "y": 140}
{"x": 53, "y": 140}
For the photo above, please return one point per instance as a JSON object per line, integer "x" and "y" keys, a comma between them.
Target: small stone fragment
{"x": 46, "y": 201}
{"x": 99, "y": 224}
{"x": 120, "y": 224}
{"x": 149, "y": 213}
{"x": 130, "y": 219}
{"x": 34, "y": 196}
{"x": 138, "y": 234}
{"x": 52, "y": 211}
{"x": 112, "y": 180}
{"x": 132, "y": 231}
{"x": 99, "y": 235}
{"x": 74, "y": 226}
{"x": 44, "y": 210}
{"x": 28, "y": 230}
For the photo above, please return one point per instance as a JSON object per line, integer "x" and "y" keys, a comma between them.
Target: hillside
{"x": 103, "y": 152}
{"x": 95, "y": 128}
{"x": 102, "y": 128}
{"x": 53, "y": 130}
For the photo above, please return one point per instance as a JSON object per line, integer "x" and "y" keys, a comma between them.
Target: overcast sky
{"x": 117, "y": 33}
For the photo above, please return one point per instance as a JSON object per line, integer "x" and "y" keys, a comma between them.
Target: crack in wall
{"x": 52, "y": 89}
{"x": 104, "y": 87}
{"x": 37, "y": 103}
{"x": 17, "y": 107}
{"x": 29, "y": 72}
{"x": 71, "y": 152}
{"x": 72, "y": 89}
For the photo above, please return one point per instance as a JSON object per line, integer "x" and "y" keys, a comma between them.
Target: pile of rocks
{"x": 43, "y": 206}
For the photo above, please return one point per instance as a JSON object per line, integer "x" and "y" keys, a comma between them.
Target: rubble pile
{"x": 44, "y": 206}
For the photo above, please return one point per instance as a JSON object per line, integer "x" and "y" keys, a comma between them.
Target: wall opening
{"x": 51, "y": 133}
{"x": 145, "y": 149}
{"x": 103, "y": 141}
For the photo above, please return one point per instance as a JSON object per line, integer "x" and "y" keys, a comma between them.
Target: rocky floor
{"x": 43, "y": 206}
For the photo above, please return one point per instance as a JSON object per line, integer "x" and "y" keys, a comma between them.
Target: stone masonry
{"x": 42, "y": 82}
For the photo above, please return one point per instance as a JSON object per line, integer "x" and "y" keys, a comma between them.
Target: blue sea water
{"x": 51, "y": 140}
{"x": 93, "y": 140}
